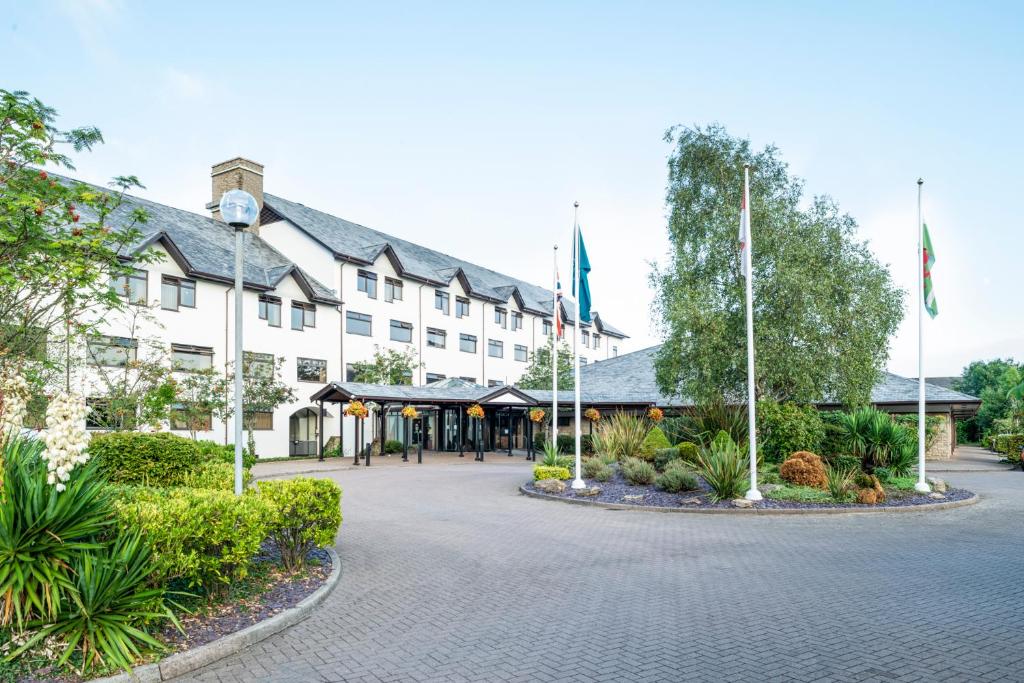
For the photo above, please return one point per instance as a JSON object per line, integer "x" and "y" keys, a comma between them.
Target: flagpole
{"x": 578, "y": 482}
{"x": 752, "y": 493}
{"x": 554, "y": 349}
{"x": 921, "y": 486}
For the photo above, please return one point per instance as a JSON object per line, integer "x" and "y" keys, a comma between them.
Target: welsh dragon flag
{"x": 928, "y": 256}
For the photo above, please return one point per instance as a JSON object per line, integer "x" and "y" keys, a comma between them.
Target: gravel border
{"x": 938, "y": 505}
{"x": 185, "y": 662}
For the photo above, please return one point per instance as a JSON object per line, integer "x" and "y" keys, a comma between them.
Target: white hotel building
{"x": 323, "y": 293}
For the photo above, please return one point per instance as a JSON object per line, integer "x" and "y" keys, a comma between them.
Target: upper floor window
{"x": 114, "y": 352}
{"x": 257, "y": 364}
{"x": 521, "y": 353}
{"x": 303, "y": 315}
{"x": 367, "y": 282}
{"x": 188, "y": 358}
{"x": 176, "y": 292}
{"x": 461, "y": 307}
{"x": 546, "y": 328}
{"x": 350, "y": 372}
{"x": 501, "y": 317}
{"x": 441, "y": 301}
{"x": 434, "y": 377}
{"x": 358, "y": 323}
{"x": 597, "y": 340}
{"x": 495, "y": 383}
{"x": 586, "y": 337}
{"x": 392, "y": 289}
{"x": 105, "y": 414}
{"x": 270, "y": 310}
{"x": 401, "y": 332}
{"x": 311, "y": 370}
{"x": 517, "y": 320}
{"x": 467, "y": 343}
{"x": 437, "y": 339}
{"x": 134, "y": 287}
{"x": 495, "y": 348}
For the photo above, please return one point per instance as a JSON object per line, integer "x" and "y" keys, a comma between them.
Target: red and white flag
{"x": 744, "y": 237}
{"x": 558, "y": 306}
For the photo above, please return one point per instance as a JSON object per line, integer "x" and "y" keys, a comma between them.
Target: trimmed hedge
{"x": 653, "y": 442}
{"x": 224, "y": 452}
{"x": 149, "y": 459}
{"x": 547, "y": 472}
{"x": 1008, "y": 444}
{"x": 308, "y": 516}
{"x": 204, "y": 537}
{"x": 215, "y": 475}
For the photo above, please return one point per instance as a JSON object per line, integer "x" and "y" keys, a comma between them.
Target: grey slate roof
{"x": 353, "y": 242}
{"x": 207, "y": 246}
{"x": 632, "y": 374}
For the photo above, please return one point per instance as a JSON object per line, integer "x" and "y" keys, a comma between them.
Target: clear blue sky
{"x": 472, "y": 127}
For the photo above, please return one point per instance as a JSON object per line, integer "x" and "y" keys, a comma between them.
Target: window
{"x": 615, "y": 351}
{"x": 495, "y": 348}
{"x": 597, "y": 340}
{"x": 434, "y": 377}
{"x": 461, "y": 307}
{"x": 263, "y": 421}
{"x": 517, "y": 320}
{"x": 180, "y": 423}
{"x": 311, "y": 370}
{"x": 392, "y": 290}
{"x": 437, "y": 339}
{"x": 303, "y": 315}
{"x": 187, "y": 358}
{"x": 350, "y": 372}
{"x": 367, "y": 282}
{"x": 134, "y": 286}
{"x": 113, "y": 352}
{"x": 270, "y": 310}
{"x": 546, "y": 328}
{"x": 441, "y": 301}
{"x": 358, "y": 323}
{"x": 467, "y": 343}
{"x": 257, "y": 364}
{"x": 103, "y": 415}
{"x": 176, "y": 292}
{"x": 521, "y": 353}
{"x": 501, "y": 317}
{"x": 401, "y": 332}
{"x": 586, "y": 337}
{"x": 495, "y": 383}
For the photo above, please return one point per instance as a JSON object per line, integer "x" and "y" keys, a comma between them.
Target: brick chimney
{"x": 239, "y": 173}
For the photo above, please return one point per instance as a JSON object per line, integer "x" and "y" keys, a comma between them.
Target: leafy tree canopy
{"x": 387, "y": 367}
{"x": 538, "y": 372}
{"x": 824, "y": 307}
{"x": 999, "y": 384}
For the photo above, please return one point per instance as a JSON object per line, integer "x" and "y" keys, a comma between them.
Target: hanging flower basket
{"x": 357, "y": 409}
{"x": 410, "y": 412}
{"x": 656, "y": 414}
{"x": 475, "y": 411}
{"x": 537, "y": 415}
{"x": 592, "y": 414}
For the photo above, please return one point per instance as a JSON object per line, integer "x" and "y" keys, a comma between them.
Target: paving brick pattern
{"x": 450, "y": 575}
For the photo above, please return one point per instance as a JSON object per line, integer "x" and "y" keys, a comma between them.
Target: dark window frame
{"x": 366, "y": 281}
{"x": 400, "y": 325}
{"x": 461, "y": 303}
{"x": 108, "y": 342}
{"x": 466, "y": 339}
{"x": 442, "y": 301}
{"x": 493, "y": 344}
{"x": 307, "y": 318}
{"x": 307, "y": 363}
{"x": 265, "y": 303}
{"x": 443, "y": 334}
{"x": 200, "y": 351}
{"x": 351, "y": 316}
{"x": 125, "y": 290}
{"x": 179, "y": 284}
{"x": 392, "y": 285}
{"x": 521, "y": 348}
{"x": 517, "y": 320}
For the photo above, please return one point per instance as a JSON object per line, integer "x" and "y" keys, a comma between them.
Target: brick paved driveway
{"x": 450, "y": 575}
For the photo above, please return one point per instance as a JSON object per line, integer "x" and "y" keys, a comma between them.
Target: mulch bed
{"x": 618, "y": 491}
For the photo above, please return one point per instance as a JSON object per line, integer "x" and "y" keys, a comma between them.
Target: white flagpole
{"x": 921, "y": 486}
{"x": 578, "y": 482}
{"x": 554, "y": 350}
{"x": 752, "y": 493}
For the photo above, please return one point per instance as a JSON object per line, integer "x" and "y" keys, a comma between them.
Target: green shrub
{"x": 844, "y": 462}
{"x": 621, "y": 435}
{"x": 591, "y": 466}
{"x": 604, "y": 473}
{"x": 689, "y": 452}
{"x": 653, "y": 442}
{"x": 159, "y": 459}
{"x": 1009, "y": 445}
{"x": 394, "y": 446}
{"x": 785, "y": 428}
{"x": 902, "y": 483}
{"x": 586, "y": 444}
{"x": 307, "y": 516}
{"x": 665, "y": 456}
{"x": 677, "y": 478}
{"x": 708, "y": 418}
{"x": 215, "y": 475}
{"x": 724, "y": 467}
{"x": 638, "y": 472}
{"x": 553, "y": 458}
{"x": 204, "y": 537}
{"x": 567, "y": 443}
{"x": 224, "y": 453}
{"x": 550, "y": 472}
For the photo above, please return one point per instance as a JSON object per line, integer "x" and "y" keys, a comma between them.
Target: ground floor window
{"x": 262, "y": 421}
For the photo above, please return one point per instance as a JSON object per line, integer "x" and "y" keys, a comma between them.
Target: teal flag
{"x": 584, "y": 296}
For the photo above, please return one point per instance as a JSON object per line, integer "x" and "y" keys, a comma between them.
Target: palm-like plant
{"x": 711, "y": 417}
{"x": 621, "y": 436}
{"x": 554, "y": 458}
{"x": 840, "y": 480}
{"x": 725, "y": 468}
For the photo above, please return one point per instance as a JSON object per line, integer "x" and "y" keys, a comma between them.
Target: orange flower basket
{"x": 357, "y": 409}
{"x": 592, "y": 414}
{"x": 410, "y": 412}
{"x": 475, "y": 411}
{"x": 537, "y": 415}
{"x": 656, "y": 414}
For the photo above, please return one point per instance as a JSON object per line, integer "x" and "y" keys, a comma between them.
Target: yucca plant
{"x": 840, "y": 481}
{"x": 903, "y": 459}
{"x": 554, "y": 458}
{"x": 105, "y": 614}
{"x": 708, "y": 418}
{"x": 43, "y": 531}
{"x": 725, "y": 468}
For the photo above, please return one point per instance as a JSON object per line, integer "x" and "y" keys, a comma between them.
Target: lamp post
{"x": 239, "y": 210}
